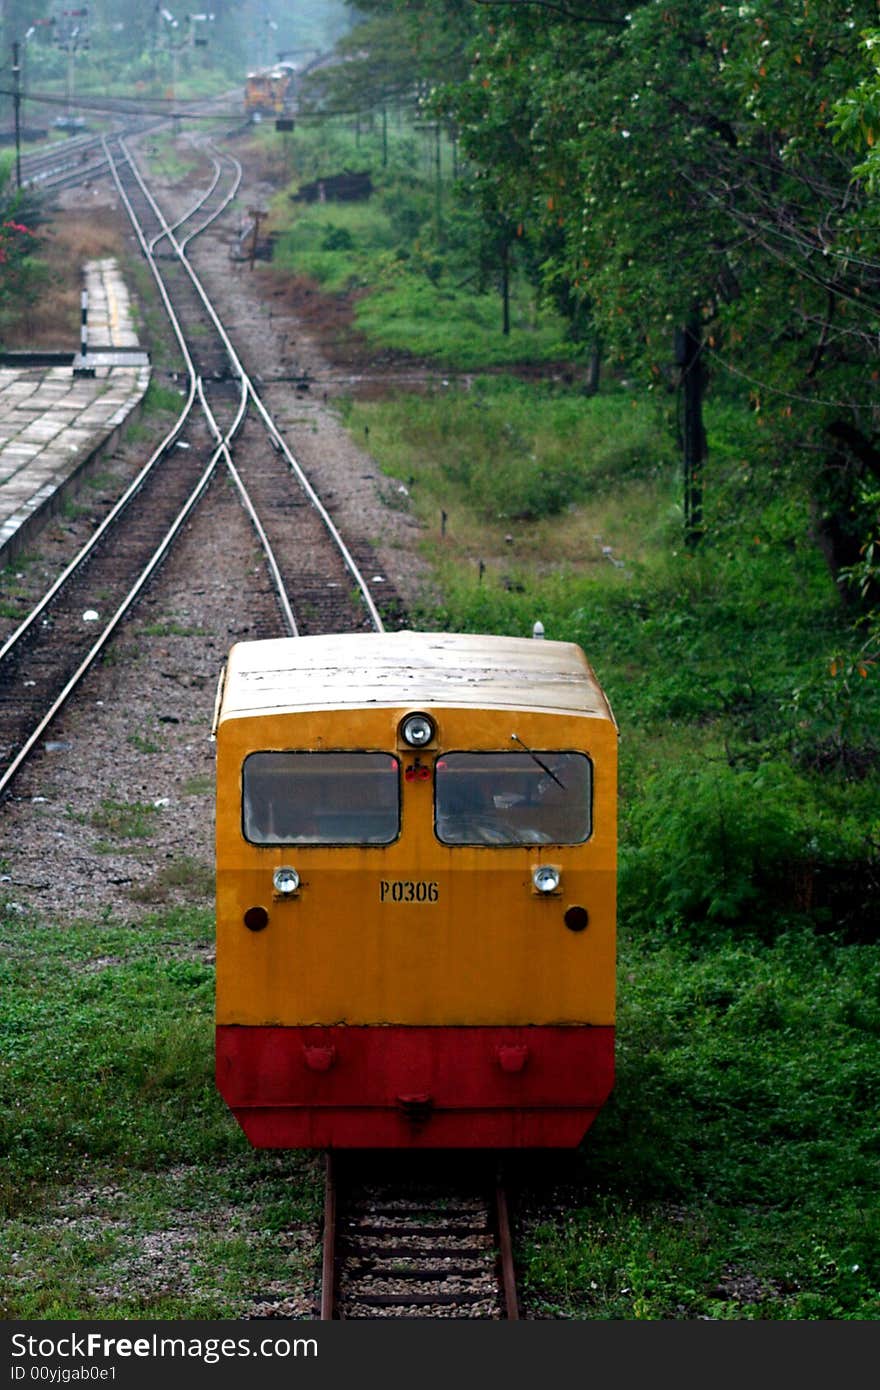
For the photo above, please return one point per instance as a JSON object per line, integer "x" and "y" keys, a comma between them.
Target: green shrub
{"x": 337, "y": 239}
{"x": 709, "y": 845}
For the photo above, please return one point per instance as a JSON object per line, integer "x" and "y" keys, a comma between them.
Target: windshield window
{"x": 517, "y": 798}
{"x": 320, "y": 798}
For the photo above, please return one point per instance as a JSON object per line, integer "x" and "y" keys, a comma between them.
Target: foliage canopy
{"x": 655, "y": 166}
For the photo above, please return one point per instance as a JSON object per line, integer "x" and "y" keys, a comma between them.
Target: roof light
{"x": 417, "y": 730}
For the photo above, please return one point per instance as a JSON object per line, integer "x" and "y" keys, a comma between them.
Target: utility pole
{"x": 71, "y": 34}
{"x": 505, "y": 286}
{"x": 271, "y": 27}
{"x": 180, "y": 41}
{"x": 197, "y": 40}
{"x": 438, "y": 186}
{"x": 175, "y": 56}
{"x": 16, "y": 99}
{"x": 257, "y": 214}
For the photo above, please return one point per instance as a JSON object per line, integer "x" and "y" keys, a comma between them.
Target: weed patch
{"x": 124, "y": 820}
{"x": 182, "y": 875}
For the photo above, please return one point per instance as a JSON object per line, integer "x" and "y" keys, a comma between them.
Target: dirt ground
{"x": 133, "y": 744}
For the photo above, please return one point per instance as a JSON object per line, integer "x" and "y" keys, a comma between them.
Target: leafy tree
{"x": 857, "y": 114}
{"x": 395, "y": 54}
{"x": 19, "y": 217}
{"x": 677, "y": 164}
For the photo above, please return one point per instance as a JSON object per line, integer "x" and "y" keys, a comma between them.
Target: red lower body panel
{"x": 405, "y": 1087}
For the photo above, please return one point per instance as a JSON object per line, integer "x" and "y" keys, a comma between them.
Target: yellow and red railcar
{"x": 416, "y": 867}
{"x": 268, "y": 91}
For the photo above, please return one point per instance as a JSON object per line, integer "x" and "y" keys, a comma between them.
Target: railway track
{"x": 402, "y": 1238}
{"x": 77, "y": 159}
{"x": 408, "y": 1237}
{"x": 312, "y": 569}
{"x": 309, "y": 560}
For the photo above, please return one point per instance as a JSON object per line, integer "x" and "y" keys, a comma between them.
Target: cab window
{"x": 516, "y": 798}
{"x": 320, "y": 798}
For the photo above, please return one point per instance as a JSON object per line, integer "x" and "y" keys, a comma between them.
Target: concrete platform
{"x": 56, "y": 420}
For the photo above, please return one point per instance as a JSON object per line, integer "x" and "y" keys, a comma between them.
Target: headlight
{"x": 417, "y": 730}
{"x": 546, "y": 878}
{"x": 285, "y": 880}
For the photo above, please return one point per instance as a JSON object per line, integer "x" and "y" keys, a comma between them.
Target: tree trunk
{"x": 842, "y": 518}
{"x": 688, "y": 356}
{"x": 505, "y": 289}
{"x": 594, "y": 368}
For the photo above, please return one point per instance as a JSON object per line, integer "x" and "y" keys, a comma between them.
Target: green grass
{"x": 201, "y": 784}
{"x": 124, "y": 820}
{"x": 159, "y": 400}
{"x": 459, "y": 327}
{"x": 732, "y": 1174}
{"x": 143, "y": 743}
{"x": 133, "y": 1008}
{"x": 418, "y": 306}
{"x": 425, "y": 293}
{"x": 171, "y": 627}
{"x": 183, "y": 875}
{"x": 512, "y": 452}
{"x": 334, "y": 243}
{"x": 126, "y": 1186}
{"x": 170, "y": 158}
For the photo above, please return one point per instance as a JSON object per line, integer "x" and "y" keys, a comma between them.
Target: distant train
{"x": 269, "y": 91}
{"x": 416, "y": 868}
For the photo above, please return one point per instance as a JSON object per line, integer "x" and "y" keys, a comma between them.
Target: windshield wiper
{"x": 543, "y": 766}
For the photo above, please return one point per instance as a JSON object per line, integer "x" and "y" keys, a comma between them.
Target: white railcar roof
{"x": 413, "y": 669}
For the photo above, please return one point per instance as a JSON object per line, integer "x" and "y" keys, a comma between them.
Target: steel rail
{"x": 111, "y": 518}
{"x": 76, "y": 176}
{"x": 192, "y": 211}
{"x": 313, "y": 497}
{"x": 280, "y": 590}
{"x": 166, "y": 299}
{"x": 134, "y": 487}
{"x": 115, "y": 620}
{"x": 505, "y": 1252}
{"x": 216, "y": 160}
{"x": 60, "y": 159}
{"x": 381, "y": 1250}
{"x": 64, "y": 164}
{"x": 80, "y": 558}
{"x": 222, "y": 450}
{"x": 328, "y": 1266}
{"x": 190, "y": 236}
{"x": 274, "y": 433}
{"x": 221, "y": 439}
